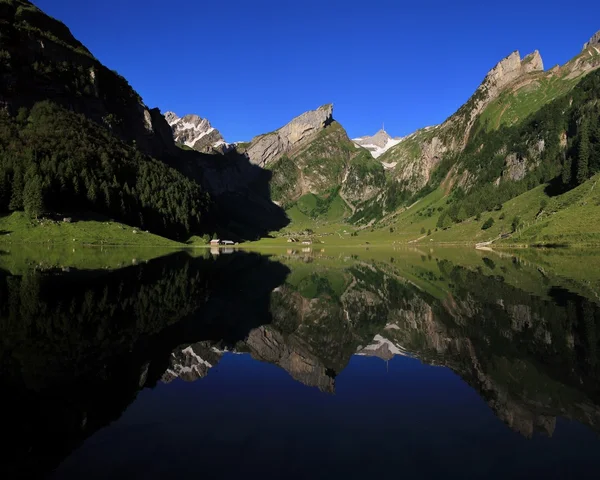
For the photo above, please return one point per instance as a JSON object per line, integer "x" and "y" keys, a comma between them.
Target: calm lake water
{"x": 303, "y": 364}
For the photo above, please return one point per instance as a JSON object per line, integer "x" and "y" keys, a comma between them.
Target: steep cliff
{"x": 265, "y": 149}
{"x": 417, "y": 155}
{"x": 41, "y": 60}
{"x": 324, "y": 163}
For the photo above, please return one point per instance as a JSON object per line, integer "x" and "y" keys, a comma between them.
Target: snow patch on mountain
{"x": 196, "y": 132}
{"x": 377, "y": 144}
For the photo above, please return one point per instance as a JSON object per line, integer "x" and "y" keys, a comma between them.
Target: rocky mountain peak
{"x": 377, "y": 144}
{"x": 532, "y": 63}
{"x": 511, "y": 68}
{"x": 594, "y": 41}
{"x": 265, "y": 149}
{"x": 195, "y": 132}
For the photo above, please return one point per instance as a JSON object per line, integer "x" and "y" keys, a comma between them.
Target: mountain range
{"x": 524, "y": 126}
{"x": 324, "y": 175}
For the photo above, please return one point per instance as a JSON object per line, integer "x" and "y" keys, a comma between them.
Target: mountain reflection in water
{"x": 199, "y": 365}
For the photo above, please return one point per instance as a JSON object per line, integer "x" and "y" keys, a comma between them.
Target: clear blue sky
{"x": 249, "y": 66}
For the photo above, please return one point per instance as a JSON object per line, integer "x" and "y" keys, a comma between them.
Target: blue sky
{"x": 249, "y": 66}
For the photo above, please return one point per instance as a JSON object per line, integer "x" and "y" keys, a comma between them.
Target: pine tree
{"x": 462, "y": 214}
{"x": 16, "y": 198}
{"x": 583, "y": 154}
{"x": 567, "y": 171}
{"x": 91, "y": 193}
{"x": 33, "y": 200}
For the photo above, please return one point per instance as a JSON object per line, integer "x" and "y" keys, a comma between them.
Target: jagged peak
{"x": 267, "y": 148}
{"x": 171, "y": 117}
{"x": 594, "y": 41}
{"x": 512, "y": 66}
{"x": 533, "y": 62}
{"x": 320, "y": 117}
{"x": 188, "y": 121}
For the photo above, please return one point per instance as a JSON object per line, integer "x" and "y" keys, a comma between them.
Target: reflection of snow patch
{"x": 380, "y": 341}
{"x": 190, "y": 351}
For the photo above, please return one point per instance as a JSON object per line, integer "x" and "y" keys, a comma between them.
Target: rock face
{"x": 416, "y": 156}
{"x": 196, "y": 132}
{"x": 326, "y": 160}
{"x": 594, "y": 41}
{"x": 377, "y": 144}
{"x": 509, "y": 69}
{"x": 265, "y": 149}
{"x": 498, "y": 78}
{"x": 515, "y": 167}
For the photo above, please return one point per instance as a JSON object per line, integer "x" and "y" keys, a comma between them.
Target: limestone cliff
{"x": 416, "y": 156}
{"x": 593, "y": 42}
{"x": 265, "y": 149}
{"x": 324, "y": 162}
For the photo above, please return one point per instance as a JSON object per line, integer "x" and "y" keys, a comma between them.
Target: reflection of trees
{"x": 76, "y": 347}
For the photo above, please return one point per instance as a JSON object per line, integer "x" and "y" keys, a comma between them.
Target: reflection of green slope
{"x": 531, "y": 270}
{"x": 24, "y": 258}
{"x": 312, "y": 280}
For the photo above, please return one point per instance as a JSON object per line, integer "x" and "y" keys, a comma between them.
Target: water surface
{"x": 313, "y": 364}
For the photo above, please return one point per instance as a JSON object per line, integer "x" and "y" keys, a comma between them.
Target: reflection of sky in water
{"x": 401, "y": 419}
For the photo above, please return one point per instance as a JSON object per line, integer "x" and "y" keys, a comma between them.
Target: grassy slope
{"x": 570, "y": 218}
{"x": 19, "y": 228}
{"x": 513, "y": 106}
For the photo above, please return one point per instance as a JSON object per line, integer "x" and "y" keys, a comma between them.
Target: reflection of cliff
{"x": 532, "y": 359}
{"x": 77, "y": 347}
{"x": 291, "y": 354}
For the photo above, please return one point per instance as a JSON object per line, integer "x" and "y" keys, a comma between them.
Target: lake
{"x": 301, "y": 363}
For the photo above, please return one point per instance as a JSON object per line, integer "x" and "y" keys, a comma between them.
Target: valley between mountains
{"x": 83, "y": 159}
